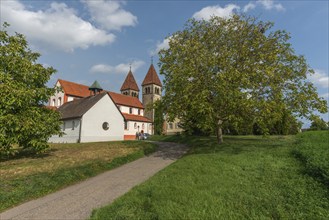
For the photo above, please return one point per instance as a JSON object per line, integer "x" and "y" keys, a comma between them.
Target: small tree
{"x": 318, "y": 124}
{"x": 24, "y": 121}
{"x": 158, "y": 117}
{"x": 235, "y": 69}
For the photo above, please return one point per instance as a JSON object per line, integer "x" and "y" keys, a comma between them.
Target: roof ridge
{"x": 72, "y": 82}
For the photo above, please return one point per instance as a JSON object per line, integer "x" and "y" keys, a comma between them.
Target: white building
{"x": 72, "y": 96}
{"x": 90, "y": 119}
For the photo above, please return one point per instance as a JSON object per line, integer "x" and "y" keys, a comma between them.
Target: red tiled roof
{"x": 74, "y": 89}
{"x": 120, "y": 99}
{"x": 79, "y": 90}
{"x": 151, "y": 77}
{"x": 129, "y": 117}
{"x": 129, "y": 83}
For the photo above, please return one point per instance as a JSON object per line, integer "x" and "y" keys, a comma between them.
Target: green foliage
{"x": 318, "y": 124}
{"x": 23, "y": 119}
{"x": 286, "y": 124}
{"x": 235, "y": 70}
{"x": 313, "y": 150}
{"x": 246, "y": 177}
{"x": 158, "y": 117}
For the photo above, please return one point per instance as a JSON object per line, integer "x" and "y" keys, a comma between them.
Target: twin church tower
{"x": 151, "y": 89}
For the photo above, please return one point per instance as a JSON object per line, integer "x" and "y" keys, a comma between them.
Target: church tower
{"x": 152, "y": 90}
{"x": 129, "y": 86}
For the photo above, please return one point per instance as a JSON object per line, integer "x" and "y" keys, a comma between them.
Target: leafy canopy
{"x": 24, "y": 121}
{"x": 233, "y": 70}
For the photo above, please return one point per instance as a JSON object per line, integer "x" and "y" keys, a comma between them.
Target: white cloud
{"x": 59, "y": 26}
{"x": 121, "y": 68}
{"x": 109, "y": 14}
{"x": 249, "y": 7}
{"x": 325, "y": 95}
{"x": 319, "y": 78}
{"x": 161, "y": 45}
{"x": 207, "y": 12}
{"x": 101, "y": 68}
{"x": 269, "y": 5}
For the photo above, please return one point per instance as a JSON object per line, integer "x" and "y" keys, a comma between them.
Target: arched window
{"x": 143, "y": 126}
{"x": 54, "y": 102}
{"x": 135, "y": 125}
{"x": 59, "y": 101}
{"x": 73, "y": 125}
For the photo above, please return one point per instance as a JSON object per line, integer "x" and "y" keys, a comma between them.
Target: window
{"x": 135, "y": 125}
{"x": 143, "y": 126}
{"x": 106, "y": 126}
{"x": 73, "y": 125}
{"x": 139, "y": 111}
{"x": 130, "y": 110}
{"x": 64, "y": 126}
{"x": 147, "y": 90}
{"x": 54, "y": 102}
{"x": 157, "y": 91}
{"x": 59, "y": 101}
{"x": 171, "y": 126}
{"x": 126, "y": 125}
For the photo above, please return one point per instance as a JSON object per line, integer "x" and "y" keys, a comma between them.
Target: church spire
{"x": 129, "y": 86}
{"x": 152, "y": 77}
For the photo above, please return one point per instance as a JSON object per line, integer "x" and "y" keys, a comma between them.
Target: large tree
{"x": 232, "y": 70}
{"x": 24, "y": 121}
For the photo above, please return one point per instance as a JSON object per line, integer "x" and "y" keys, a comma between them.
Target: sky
{"x": 88, "y": 40}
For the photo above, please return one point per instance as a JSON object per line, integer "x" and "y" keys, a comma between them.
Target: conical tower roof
{"x": 96, "y": 86}
{"x": 129, "y": 83}
{"x": 151, "y": 77}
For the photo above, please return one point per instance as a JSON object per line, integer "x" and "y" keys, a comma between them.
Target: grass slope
{"x": 245, "y": 178}
{"x": 26, "y": 178}
{"x": 313, "y": 150}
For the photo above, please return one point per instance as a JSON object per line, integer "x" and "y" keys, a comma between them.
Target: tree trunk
{"x": 219, "y": 132}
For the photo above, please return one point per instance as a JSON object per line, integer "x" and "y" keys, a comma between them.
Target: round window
{"x": 106, "y": 126}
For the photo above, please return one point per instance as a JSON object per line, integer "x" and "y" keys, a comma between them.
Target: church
{"x": 91, "y": 114}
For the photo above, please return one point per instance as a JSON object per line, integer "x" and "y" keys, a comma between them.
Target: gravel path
{"x": 78, "y": 201}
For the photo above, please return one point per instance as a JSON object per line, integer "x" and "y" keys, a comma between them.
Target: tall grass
{"x": 247, "y": 177}
{"x": 312, "y": 149}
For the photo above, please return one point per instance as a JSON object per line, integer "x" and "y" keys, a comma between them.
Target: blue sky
{"x": 98, "y": 40}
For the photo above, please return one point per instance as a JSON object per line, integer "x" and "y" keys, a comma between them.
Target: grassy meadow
{"x": 25, "y": 178}
{"x": 247, "y": 177}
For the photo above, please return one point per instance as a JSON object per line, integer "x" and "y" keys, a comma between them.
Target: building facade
{"x": 135, "y": 116}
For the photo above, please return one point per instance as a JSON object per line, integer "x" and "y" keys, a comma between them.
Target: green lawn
{"x": 25, "y": 178}
{"x": 247, "y": 177}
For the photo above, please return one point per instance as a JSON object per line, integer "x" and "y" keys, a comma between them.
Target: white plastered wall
{"x": 103, "y": 111}
{"x": 132, "y": 129}
{"x": 56, "y": 97}
{"x": 71, "y": 128}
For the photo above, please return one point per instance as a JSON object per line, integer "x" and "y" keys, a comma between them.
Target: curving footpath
{"x": 78, "y": 201}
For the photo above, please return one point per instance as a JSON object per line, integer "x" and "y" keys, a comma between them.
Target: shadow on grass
{"x": 231, "y": 144}
{"x": 23, "y": 153}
